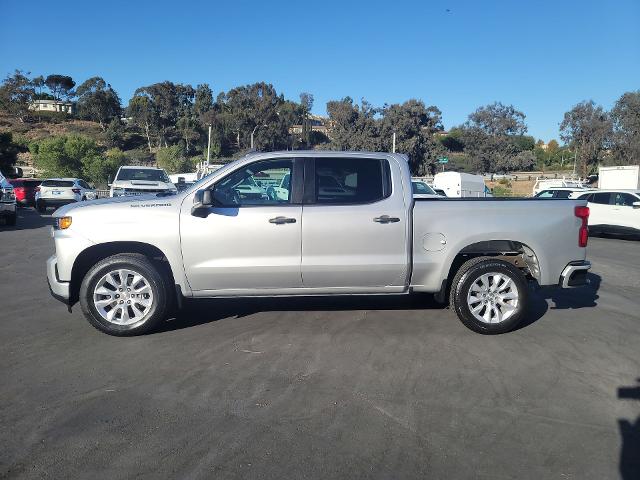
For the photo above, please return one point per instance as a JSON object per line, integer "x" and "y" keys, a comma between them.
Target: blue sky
{"x": 541, "y": 56}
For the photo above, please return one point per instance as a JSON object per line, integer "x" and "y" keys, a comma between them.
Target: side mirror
{"x": 636, "y": 204}
{"x": 202, "y": 200}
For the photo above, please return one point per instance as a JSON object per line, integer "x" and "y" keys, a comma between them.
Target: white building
{"x": 52, "y": 106}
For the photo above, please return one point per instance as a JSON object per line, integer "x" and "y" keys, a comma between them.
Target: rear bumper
{"x": 574, "y": 274}
{"x": 57, "y": 202}
{"x": 59, "y": 289}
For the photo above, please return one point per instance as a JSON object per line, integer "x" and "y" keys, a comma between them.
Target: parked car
{"x": 56, "y": 192}
{"x": 421, "y": 188}
{"x": 549, "y": 183}
{"x": 25, "y": 190}
{"x": 560, "y": 192}
{"x": 614, "y": 211}
{"x": 459, "y": 185}
{"x": 8, "y": 206}
{"x": 131, "y": 181}
{"x": 130, "y": 261}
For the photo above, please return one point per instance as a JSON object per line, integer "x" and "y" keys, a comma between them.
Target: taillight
{"x": 75, "y": 190}
{"x": 583, "y": 234}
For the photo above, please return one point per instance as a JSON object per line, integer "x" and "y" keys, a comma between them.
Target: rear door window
{"x": 562, "y": 194}
{"x": 545, "y": 194}
{"x": 601, "y": 198}
{"x": 623, "y": 199}
{"x": 351, "y": 180}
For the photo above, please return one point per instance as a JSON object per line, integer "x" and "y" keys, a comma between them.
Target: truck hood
{"x": 147, "y": 201}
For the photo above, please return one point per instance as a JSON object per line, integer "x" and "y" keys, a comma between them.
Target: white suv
{"x": 613, "y": 211}
{"x": 8, "y": 208}
{"x": 134, "y": 180}
{"x": 56, "y": 192}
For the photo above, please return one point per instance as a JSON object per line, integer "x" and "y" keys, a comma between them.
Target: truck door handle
{"x": 386, "y": 219}
{"x": 282, "y": 220}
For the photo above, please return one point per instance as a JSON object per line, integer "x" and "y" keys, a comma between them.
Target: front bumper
{"x": 574, "y": 274}
{"x": 59, "y": 289}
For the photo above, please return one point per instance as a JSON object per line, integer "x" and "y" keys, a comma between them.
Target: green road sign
{"x": 443, "y": 160}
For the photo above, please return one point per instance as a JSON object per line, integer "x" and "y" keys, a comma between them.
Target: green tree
{"x": 173, "y": 160}
{"x": 493, "y": 137}
{"x": 353, "y": 126}
{"x": 8, "y": 150}
{"x": 203, "y": 99}
{"x": 98, "y": 102}
{"x": 306, "y": 104}
{"x": 414, "y": 125}
{"x": 60, "y": 85}
{"x": 16, "y": 94}
{"x": 99, "y": 168}
{"x": 626, "y": 128}
{"x": 587, "y": 129}
{"x": 142, "y": 115}
{"x": 114, "y": 134}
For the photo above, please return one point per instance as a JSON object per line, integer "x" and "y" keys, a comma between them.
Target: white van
{"x": 456, "y": 184}
{"x": 619, "y": 178}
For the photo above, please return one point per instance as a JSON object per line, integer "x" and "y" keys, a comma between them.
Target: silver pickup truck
{"x": 342, "y": 223}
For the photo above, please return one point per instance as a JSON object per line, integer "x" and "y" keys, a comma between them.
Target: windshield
{"x": 57, "y": 183}
{"x": 144, "y": 174}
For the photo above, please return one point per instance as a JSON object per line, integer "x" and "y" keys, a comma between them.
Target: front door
{"x": 354, "y": 228}
{"x": 251, "y": 239}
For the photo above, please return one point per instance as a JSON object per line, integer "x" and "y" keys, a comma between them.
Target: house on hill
{"x": 47, "y": 105}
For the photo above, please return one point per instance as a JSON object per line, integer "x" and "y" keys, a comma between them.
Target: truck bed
{"x": 442, "y": 228}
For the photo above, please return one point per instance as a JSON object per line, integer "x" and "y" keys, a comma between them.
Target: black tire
{"x": 11, "y": 219}
{"x": 41, "y": 206}
{"x": 468, "y": 274}
{"x": 158, "y": 280}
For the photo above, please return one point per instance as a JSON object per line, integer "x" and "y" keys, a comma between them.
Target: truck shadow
{"x": 201, "y": 311}
{"x": 630, "y": 433}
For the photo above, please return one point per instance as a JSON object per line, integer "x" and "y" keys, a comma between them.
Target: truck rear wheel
{"x": 41, "y": 206}
{"x": 125, "y": 295}
{"x": 489, "y": 296}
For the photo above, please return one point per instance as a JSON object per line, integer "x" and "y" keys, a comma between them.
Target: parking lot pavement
{"x": 320, "y": 388}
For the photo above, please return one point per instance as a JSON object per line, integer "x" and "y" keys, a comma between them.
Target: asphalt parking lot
{"x": 321, "y": 388}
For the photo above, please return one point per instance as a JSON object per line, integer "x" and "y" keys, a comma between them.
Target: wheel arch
{"x": 512, "y": 251}
{"x": 95, "y": 253}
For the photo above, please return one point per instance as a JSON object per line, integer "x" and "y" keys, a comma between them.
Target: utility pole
{"x": 209, "y": 147}
{"x": 254, "y": 131}
{"x": 393, "y": 148}
{"x": 575, "y": 158}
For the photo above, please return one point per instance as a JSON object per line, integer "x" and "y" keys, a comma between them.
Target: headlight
{"x": 62, "y": 223}
{"x": 117, "y": 192}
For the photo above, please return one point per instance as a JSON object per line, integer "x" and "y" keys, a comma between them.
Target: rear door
{"x": 354, "y": 228}
{"x": 624, "y": 214}
{"x": 600, "y": 210}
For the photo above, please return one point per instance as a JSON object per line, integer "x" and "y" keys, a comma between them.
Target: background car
{"x": 56, "y": 192}
{"x": 25, "y": 190}
{"x": 560, "y": 192}
{"x": 138, "y": 180}
{"x": 8, "y": 208}
{"x": 614, "y": 211}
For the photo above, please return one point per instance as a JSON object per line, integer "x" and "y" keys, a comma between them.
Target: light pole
{"x": 393, "y": 148}
{"x": 254, "y": 131}
{"x": 209, "y": 146}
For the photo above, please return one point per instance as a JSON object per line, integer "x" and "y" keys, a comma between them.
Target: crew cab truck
{"x": 131, "y": 261}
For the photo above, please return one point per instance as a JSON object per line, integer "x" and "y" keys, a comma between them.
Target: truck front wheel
{"x": 125, "y": 295}
{"x": 489, "y": 296}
